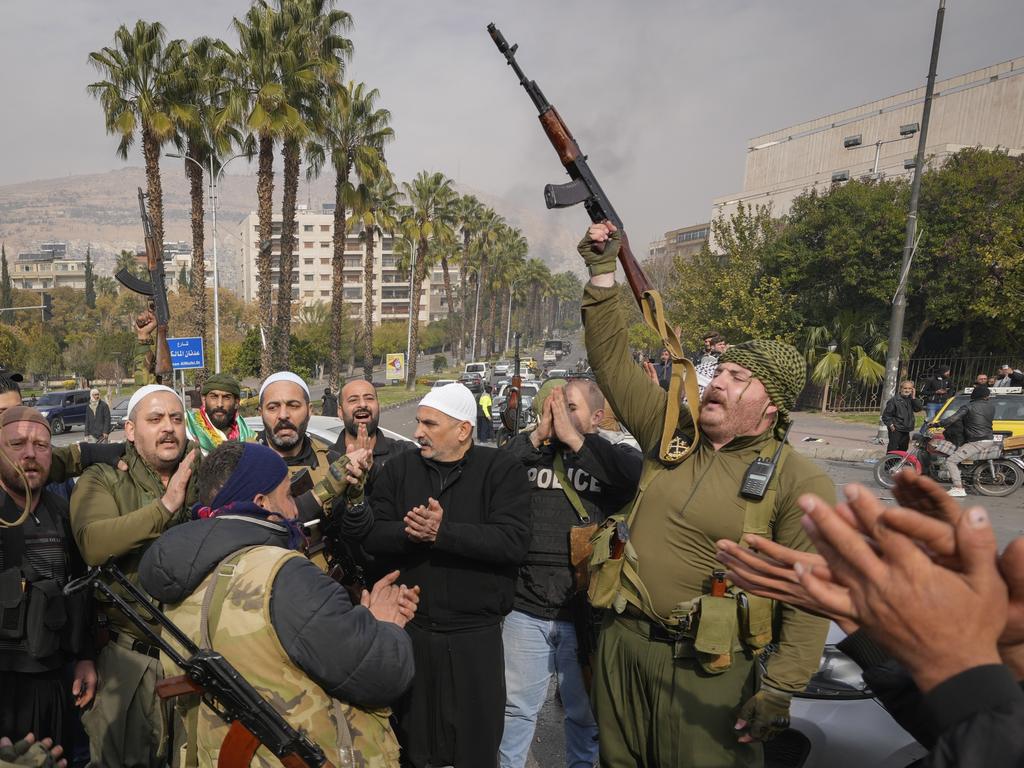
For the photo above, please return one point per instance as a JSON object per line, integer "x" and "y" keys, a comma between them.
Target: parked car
{"x": 556, "y": 373}
{"x": 119, "y": 413}
{"x": 443, "y": 382}
{"x": 837, "y": 723}
{"x": 1008, "y": 419}
{"x": 64, "y": 409}
{"x": 474, "y": 382}
{"x": 483, "y": 369}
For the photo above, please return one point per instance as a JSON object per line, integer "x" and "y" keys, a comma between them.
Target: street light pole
{"x": 508, "y": 329}
{"x": 899, "y": 302}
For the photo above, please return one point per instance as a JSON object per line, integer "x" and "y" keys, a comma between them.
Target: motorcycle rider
{"x": 976, "y": 417}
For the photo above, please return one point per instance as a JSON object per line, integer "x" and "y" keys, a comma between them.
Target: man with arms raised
{"x": 118, "y": 514}
{"x": 675, "y": 682}
{"x": 217, "y": 419}
{"x": 454, "y": 518}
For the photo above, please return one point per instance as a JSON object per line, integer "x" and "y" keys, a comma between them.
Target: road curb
{"x": 836, "y": 453}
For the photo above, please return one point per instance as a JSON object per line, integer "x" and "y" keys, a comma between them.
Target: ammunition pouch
{"x": 13, "y": 604}
{"x": 716, "y": 633}
{"x": 605, "y": 588}
{"x": 47, "y": 616}
{"x": 755, "y": 620}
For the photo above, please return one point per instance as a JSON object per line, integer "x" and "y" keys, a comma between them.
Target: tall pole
{"x": 508, "y": 327}
{"x": 476, "y": 316}
{"x": 216, "y": 279}
{"x": 899, "y": 301}
{"x": 414, "y": 316}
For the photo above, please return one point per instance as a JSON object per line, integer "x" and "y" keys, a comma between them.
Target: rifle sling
{"x": 570, "y": 492}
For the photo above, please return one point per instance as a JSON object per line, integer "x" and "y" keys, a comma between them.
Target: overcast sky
{"x": 662, "y": 94}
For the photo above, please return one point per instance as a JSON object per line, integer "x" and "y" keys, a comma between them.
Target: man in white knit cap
{"x": 454, "y": 518}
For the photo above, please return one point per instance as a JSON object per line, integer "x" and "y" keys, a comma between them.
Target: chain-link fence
{"x": 846, "y": 393}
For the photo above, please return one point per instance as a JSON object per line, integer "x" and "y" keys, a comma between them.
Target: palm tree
{"x": 137, "y": 98}
{"x": 200, "y": 77}
{"x": 844, "y": 343}
{"x": 468, "y": 212}
{"x": 510, "y": 251}
{"x": 355, "y": 133}
{"x": 427, "y": 218}
{"x": 535, "y": 275}
{"x": 489, "y": 228}
{"x": 311, "y": 64}
{"x": 377, "y": 212}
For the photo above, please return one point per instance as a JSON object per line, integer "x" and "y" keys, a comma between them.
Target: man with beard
{"x": 117, "y": 514}
{"x": 675, "y": 681}
{"x": 41, "y": 632}
{"x": 328, "y": 664}
{"x": 217, "y": 419}
{"x": 284, "y": 408}
{"x": 454, "y": 518}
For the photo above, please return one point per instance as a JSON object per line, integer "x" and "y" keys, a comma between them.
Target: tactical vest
{"x": 230, "y": 612}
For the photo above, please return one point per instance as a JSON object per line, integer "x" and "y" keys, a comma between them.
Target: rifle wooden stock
{"x": 240, "y": 745}
{"x": 178, "y": 685}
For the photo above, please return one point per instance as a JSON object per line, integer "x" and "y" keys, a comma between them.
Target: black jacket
{"x": 928, "y": 390}
{"x": 977, "y": 418}
{"x": 467, "y": 575}
{"x": 972, "y": 720}
{"x": 605, "y": 477}
{"x": 344, "y": 649}
{"x": 330, "y": 405}
{"x": 899, "y": 412}
{"x": 98, "y": 423}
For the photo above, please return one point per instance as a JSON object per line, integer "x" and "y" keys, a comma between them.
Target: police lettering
{"x": 545, "y": 478}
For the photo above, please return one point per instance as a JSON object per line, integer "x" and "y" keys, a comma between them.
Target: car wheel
{"x": 57, "y": 425}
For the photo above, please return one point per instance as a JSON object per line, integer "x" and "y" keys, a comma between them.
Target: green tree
{"x": 183, "y": 282}
{"x": 138, "y": 98}
{"x": 727, "y": 288}
{"x": 5, "y": 285}
{"x": 355, "y": 133}
{"x": 849, "y": 342}
{"x": 90, "y": 281}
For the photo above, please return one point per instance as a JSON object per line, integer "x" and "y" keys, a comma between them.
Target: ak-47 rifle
{"x": 512, "y": 414}
{"x": 584, "y": 189}
{"x": 156, "y": 289}
{"x": 254, "y": 722}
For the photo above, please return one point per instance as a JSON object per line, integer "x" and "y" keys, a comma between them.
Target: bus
{"x": 555, "y": 349}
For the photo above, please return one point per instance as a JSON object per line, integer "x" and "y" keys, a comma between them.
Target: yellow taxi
{"x": 1008, "y": 420}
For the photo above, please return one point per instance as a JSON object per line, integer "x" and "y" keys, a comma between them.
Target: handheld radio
{"x": 759, "y": 473}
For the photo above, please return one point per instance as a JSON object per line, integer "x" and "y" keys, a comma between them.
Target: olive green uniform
{"x": 116, "y": 514}
{"x": 653, "y": 709}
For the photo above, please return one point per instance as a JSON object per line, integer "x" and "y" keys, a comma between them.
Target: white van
{"x": 484, "y": 369}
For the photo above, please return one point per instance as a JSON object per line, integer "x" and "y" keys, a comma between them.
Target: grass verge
{"x": 398, "y": 394}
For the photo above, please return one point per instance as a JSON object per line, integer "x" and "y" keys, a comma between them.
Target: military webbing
{"x": 570, "y": 492}
{"x": 672, "y": 450}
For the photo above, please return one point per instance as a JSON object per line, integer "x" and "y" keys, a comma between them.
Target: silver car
{"x": 326, "y": 429}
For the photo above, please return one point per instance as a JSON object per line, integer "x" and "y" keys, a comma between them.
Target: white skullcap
{"x": 144, "y": 392}
{"x": 283, "y": 376}
{"x": 454, "y": 400}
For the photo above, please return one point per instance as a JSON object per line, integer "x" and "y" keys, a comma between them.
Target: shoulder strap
{"x": 12, "y": 537}
{"x": 570, "y": 492}
{"x": 213, "y": 598}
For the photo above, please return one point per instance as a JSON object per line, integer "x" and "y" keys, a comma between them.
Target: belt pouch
{"x": 46, "y": 617}
{"x": 13, "y": 602}
{"x": 605, "y": 571}
{"x": 716, "y": 633}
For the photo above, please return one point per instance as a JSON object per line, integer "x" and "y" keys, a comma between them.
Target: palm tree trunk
{"x": 415, "y": 292}
{"x": 451, "y": 304}
{"x": 480, "y": 321}
{"x": 337, "y": 273}
{"x": 264, "y": 261}
{"x": 154, "y": 189}
{"x": 290, "y": 154}
{"x": 494, "y": 322}
{"x": 198, "y": 285}
{"x": 368, "y": 304}
{"x": 463, "y": 296}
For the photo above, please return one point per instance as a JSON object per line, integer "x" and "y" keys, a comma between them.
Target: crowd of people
{"x": 408, "y": 603}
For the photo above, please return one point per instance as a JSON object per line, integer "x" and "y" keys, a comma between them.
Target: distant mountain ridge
{"x": 101, "y": 211}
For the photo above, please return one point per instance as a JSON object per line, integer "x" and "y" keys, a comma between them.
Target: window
{"x": 308, "y": 278}
{"x": 325, "y": 293}
{"x": 325, "y": 243}
{"x": 325, "y": 262}
{"x": 353, "y": 293}
{"x": 307, "y": 243}
{"x": 307, "y": 262}
{"x": 307, "y": 294}
{"x": 352, "y": 262}
{"x": 307, "y": 227}
{"x": 325, "y": 277}
{"x": 325, "y": 227}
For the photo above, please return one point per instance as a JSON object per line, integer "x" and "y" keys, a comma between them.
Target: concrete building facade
{"x": 312, "y": 277}
{"x": 984, "y": 108}
{"x": 685, "y": 242}
{"x": 50, "y": 267}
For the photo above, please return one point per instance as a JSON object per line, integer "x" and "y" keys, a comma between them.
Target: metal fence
{"x": 848, "y": 394}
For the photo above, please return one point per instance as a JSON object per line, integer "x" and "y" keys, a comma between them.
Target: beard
{"x": 13, "y": 479}
{"x": 352, "y": 426}
{"x": 286, "y": 443}
{"x": 222, "y": 418}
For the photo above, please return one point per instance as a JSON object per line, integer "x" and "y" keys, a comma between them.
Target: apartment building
{"x": 312, "y": 276}
{"x": 49, "y": 267}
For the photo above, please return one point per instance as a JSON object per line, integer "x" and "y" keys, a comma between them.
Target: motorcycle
{"x": 995, "y": 473}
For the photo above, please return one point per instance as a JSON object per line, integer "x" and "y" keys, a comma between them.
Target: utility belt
{"x": 36, "y": 613}
{"x": 125, "y": 640}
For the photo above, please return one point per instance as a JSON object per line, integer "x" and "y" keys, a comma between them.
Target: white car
{"x": 502, "y": 367}
{"x": 325, "y": 429}
{"x": 483, "y": 369}
{"x": 837, "y": 723}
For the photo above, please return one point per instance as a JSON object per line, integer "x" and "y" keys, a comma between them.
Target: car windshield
{"x": 54, "y": 398}
{"x": 1007, "y": 407}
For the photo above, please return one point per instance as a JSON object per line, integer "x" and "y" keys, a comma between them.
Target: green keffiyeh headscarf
{"x": 777, "y": 365}
{"x": 222, "y": 382}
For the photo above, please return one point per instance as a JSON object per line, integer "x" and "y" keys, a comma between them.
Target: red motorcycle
{"x": 994, "y": 473}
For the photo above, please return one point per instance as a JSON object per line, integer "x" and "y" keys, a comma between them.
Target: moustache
{"x": 31, "y": 466}
{"x": 282, "y": 425}
{"x": 168, "y": 439}
{"x": 360, "y": 412}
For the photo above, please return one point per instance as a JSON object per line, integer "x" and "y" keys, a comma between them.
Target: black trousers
{"x": 39, "y": 703}
{"x": 898, "y": 441}
{"x": 454, "y": 712}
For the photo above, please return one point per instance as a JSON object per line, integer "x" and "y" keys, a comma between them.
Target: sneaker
{"x": 957, "y": 492}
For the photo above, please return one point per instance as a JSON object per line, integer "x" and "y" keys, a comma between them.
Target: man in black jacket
{"x": 97, "y": 418}
{"x": 976, "y": 418}
{"x": 898, "y": 416}
{"x": 332, "y": 650}
{"x": 454, "y": 517}
{"x": 578, "y": 478}
{"x": 937, "y": 390}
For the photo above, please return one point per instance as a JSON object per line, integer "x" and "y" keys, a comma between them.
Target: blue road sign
{"x": 186, "y": 353}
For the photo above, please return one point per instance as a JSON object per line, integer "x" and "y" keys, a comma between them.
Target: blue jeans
{"x": 534, "y": 649}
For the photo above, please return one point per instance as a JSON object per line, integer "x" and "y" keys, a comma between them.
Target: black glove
{"x": 765, "y": 715}
{"x": 101, "y": 453}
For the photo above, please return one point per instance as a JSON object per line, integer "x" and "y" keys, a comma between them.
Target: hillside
{"x": 101, "y": 211}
